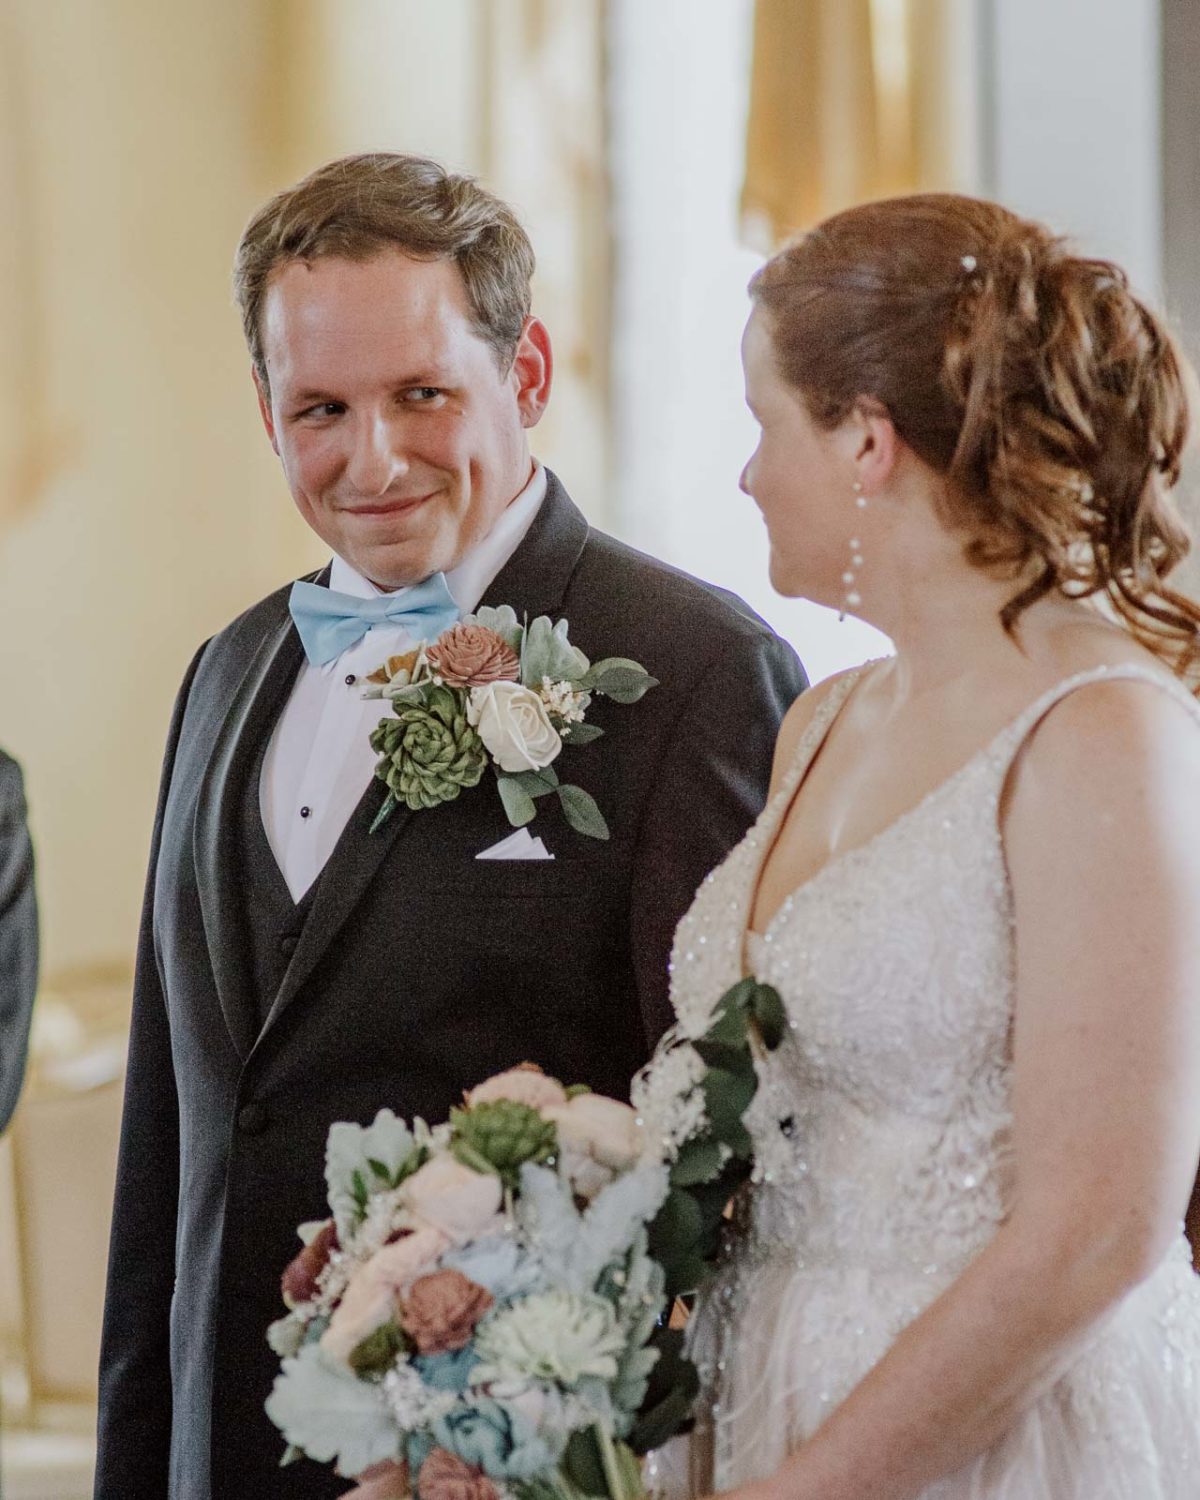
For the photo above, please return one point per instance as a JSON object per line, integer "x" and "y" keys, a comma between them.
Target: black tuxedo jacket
{"x": 417, "y": 971}
{"x": 18, "y": 936}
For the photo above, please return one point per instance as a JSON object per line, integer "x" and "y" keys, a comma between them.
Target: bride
{"x": 961, "y": 1273}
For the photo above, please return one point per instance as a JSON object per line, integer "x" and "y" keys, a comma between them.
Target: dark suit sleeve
{"x": 18, "y": 937}
{"x": 134, "y": 1431}
{"x": 712, "y": 785}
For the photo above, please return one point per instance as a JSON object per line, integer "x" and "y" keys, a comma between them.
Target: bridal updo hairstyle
{"x": 1051, "y": 398}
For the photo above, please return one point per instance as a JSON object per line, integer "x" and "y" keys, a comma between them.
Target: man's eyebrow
{"x": 440, "y": 379}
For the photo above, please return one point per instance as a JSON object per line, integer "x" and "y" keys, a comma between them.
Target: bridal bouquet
{"x": 482, "y": 1314}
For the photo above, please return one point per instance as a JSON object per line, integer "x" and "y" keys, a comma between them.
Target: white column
{"x": 1075, "y": 90}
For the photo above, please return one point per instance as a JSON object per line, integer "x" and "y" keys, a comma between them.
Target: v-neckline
{"x": 777, "y": 810}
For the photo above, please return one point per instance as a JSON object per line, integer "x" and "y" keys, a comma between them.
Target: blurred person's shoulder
{"x": 11, "y": 781}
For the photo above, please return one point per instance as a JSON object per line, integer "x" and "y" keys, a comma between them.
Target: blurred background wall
{"x": 655, "y": 149}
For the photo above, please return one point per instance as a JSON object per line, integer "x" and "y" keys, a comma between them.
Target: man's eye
{"x": 420, "y": 395}
{"x": 323, "y": 409}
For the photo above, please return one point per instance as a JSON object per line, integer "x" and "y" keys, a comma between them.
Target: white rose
{"x": 453, "y": 1199}
{"x": 514, "y": 726}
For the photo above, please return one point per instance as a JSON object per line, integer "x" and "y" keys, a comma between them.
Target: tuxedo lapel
{"x": 533, "y": 581}
{"x": 252, "y": 712}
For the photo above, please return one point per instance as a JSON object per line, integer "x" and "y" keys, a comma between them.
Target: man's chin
{"x": 397, "y": 567}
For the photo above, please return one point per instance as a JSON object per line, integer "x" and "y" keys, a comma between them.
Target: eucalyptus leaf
{"x": 583, "y": 1465}
{"x": 581, "y": 812}
{"x": 536, "y": 783}
{"x": 699, "y": 1161}
{"x": 675, "y": 1228}
{"x": 581, "y": 734}
{"x": 611, "y": 664}
{"x": 767, "y": 1009}
{"x": 518, "y": 804}
{"x": 623, "y": 684}
{"x": 727, "y": 1096}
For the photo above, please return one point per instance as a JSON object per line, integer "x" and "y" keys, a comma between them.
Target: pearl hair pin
{"x": 852, "y": 598}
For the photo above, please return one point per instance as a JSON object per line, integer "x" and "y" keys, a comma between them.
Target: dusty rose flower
{"x": 371, "y": 1297}
{"x": 300, "y": 1278}
{"x": 453, "y": 1199}
{"x": 442, "y": 1309}
{"x": 445, "y": 1477}
{"x": 473, "y": 656}
{"x": 524, "y": 1084}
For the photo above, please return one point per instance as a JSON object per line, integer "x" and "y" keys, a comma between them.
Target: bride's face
{"x": 798, "y": 477}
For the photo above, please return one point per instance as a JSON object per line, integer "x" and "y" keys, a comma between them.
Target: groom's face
{"x": 401, "y": 437}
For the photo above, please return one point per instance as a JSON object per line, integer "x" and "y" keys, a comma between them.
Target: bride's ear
{"x": 876, "y": 444}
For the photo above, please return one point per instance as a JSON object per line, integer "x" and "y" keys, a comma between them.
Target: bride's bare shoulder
{"x": 801, "y": 714}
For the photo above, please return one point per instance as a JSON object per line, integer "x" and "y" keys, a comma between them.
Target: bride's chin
{"x": 790, "y": 583}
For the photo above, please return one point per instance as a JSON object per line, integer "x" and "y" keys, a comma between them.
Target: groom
{"x": 296, "y": 968}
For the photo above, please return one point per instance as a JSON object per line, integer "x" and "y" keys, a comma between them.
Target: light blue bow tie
{"x": 330, "y": 623}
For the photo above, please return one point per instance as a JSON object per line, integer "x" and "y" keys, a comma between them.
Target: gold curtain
{"x": 849, "y": 100}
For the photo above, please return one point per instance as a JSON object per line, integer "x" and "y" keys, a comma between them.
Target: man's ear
{"x": 532, "y": 371}
{"x": 264, "y": 408}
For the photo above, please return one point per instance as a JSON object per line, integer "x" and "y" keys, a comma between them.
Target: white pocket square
{"x": 519, "y": 845}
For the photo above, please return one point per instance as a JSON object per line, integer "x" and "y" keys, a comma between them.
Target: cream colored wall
{"x": 161, "y": 514}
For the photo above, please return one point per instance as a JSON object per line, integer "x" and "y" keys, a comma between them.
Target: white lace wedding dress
{"x": 882, "y": 1130}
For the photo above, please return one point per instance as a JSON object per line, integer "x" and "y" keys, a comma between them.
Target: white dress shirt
{"x": 319, "y": 761}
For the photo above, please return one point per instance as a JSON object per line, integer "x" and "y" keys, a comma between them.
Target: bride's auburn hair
{"x": 1051, "y": 398}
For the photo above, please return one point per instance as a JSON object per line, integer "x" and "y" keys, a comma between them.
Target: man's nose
{"x": 378, "y": 458}
{"x": 744, "y": 478}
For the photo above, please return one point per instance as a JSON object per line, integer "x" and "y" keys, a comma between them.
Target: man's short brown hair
{"x": 362, "y": 206}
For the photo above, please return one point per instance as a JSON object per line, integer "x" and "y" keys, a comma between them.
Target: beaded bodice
{"x": 882, "y": 1124}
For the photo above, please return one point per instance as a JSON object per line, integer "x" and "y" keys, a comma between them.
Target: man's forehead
{"x": 320, "y": 310}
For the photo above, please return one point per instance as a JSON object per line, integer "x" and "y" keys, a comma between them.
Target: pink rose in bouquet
{"x": 524, "y": 1084}
{"x": 453, "y": 1199}
{"x": 371, "y": 1298}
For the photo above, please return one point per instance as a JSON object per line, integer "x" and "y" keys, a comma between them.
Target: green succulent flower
{"x": 428, "y": 752}
{"x": 501, "y": 1136}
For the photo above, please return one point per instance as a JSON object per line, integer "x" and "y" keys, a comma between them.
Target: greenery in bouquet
{"x": 486, "y": 1304}
{"x": 493, "y": 690}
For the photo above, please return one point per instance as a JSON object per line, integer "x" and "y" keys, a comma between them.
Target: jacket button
{"x": 253, "y": 1118}
{"x": 288, "y": 945}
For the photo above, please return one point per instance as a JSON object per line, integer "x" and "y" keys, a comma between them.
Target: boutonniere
{"x": 491, "y": 690}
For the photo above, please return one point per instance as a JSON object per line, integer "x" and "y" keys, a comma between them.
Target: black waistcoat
{"x": 272, "y": 920}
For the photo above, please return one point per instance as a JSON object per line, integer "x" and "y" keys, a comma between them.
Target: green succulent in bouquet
{"x": 501, "y": 1136}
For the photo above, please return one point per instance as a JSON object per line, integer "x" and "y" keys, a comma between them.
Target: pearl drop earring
{"x": 852, "y": 598}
